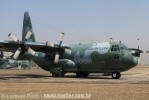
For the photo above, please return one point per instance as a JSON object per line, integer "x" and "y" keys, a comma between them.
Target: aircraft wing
{"x": 12, "y": 46}
{"x": 9, "y": 46}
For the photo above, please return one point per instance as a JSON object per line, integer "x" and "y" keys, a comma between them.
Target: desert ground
{"x": 37, "y": 84}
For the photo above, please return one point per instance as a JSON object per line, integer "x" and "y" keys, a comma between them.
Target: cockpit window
{"x": 125, "y": 48}
{"x": 115, "y": 48}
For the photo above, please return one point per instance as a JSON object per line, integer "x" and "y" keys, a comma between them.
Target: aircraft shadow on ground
{"x": 3, "y": 78}
{"x": 24, "y": 76}
{"x": 89, "y": 77}
{"x": 93, "y": 77}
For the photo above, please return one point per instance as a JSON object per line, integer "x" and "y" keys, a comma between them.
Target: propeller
{"x": 138, "y": 42}
{"x": 146, "y": 51}
{"x": 20, "y": 49}
{"x": 17, "y": 53}
{"x": 139, "y": 51}
{"x": 136, "y": 51}
{"x": 32, "y": 52}
{"x": 66, "y": 50}
{"x": 56, "y": 59}
{"x": 57, "y": 54}
{"x": 28, "y": 35}
{"x": 13, "y": 37}
{"x": 61, "y": 38}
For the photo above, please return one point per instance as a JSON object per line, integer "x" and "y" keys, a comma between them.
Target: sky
{"x": 82, "y": 21}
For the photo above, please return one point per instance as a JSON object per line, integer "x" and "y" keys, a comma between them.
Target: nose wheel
{"x": 116, "y": 75}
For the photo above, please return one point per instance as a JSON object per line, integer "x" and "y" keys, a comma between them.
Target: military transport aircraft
{"x": 82, "y": 59}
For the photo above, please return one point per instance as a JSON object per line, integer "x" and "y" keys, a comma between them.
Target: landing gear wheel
{"x": 82, "y": 74}
{"x": 116, "y": 75}
{"x": 57, "y": 72}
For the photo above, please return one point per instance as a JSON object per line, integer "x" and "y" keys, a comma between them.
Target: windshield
{"x": 115, "y": 48}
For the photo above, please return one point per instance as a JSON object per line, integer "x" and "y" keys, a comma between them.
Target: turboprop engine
{"x": 68, "y": 65}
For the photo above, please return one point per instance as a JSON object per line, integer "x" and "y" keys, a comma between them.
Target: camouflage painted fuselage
{"x": 95, "y": 57}
{"x": 104, "y": 57}
{"x": 107, "y": 57}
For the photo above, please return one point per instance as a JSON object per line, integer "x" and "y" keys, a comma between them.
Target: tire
{"x": 57, "y": 73}
{"x": 116, "y": 75}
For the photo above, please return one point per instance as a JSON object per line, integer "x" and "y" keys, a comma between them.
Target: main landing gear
{"x": 57, "y": 72}
{"x": 116, "y": 75}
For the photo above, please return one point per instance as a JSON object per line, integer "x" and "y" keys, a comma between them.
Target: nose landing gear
{"x": 116, "y": 75}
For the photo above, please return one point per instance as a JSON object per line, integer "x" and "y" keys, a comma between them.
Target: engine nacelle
{"x": 135, "y": 52}
{"x": 68, "y": 65}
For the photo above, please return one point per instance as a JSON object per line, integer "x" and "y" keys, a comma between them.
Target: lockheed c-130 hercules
{"x": 82, "y": 59}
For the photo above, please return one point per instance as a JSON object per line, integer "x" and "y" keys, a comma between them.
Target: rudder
{"x": 27, "y": 26}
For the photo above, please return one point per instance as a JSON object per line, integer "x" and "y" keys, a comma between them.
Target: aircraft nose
{"x": 135, "y": 61}
{"x": 130, "y": 60}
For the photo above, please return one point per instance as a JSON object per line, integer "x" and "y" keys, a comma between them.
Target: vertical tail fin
{"x": 27, "y": 26}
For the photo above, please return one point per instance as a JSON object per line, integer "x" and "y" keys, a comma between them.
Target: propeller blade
{"x": 56, "y": 60}
{"x": 61, "y": 38}
{"x": 28, "y": 35}
{"x": 31, "y": 51}
{"x": 49, "y": 44}
{"x": 12, "y": 37}
{"x": 138, "y": 42}
{"x": 139, "y": 60}
{"x": 145, "y": 51}
{"x": 68, "y": 51}
{"x": 17, "y": 53}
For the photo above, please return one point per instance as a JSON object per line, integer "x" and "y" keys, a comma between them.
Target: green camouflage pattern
{"x": 106, "y": 57}
{"x": 27, "y": 26}
{"x": 98, "y": 57}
